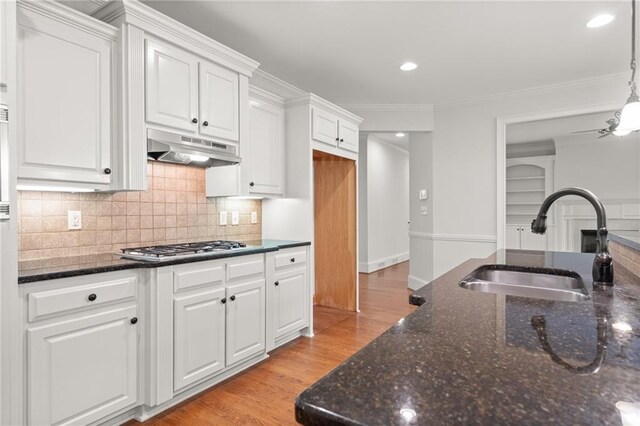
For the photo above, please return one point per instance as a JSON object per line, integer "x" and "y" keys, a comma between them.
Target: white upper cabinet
{"x": 219, "y": 97}
{"x": 325, "y": 127}
{"x": 349, "y": 138}
{"x": 186, "y": 93}
{"x": 171, "y": 87}
{"x": 64, "y": 97}
{"x": 265, "y": 156}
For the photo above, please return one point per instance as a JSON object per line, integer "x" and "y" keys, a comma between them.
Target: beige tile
{"x": 182, "y": 233}
{"x": 159, "y": 234}
{"x": 53, "y": 224}
{"x": 118, "y": 208}
{"x": 170, "y": 221}
{"x": 71, "y": 239}
{"x": 89, "y": 223}
{"x": 170, "y": 170}
{"x": 88, "y": 208}
{"x": 146, "y": 235}
{"x": 146, "y": 222}
{"x": 52, "y": 208}
{"x": 181, "y": 172}
{"x": 191, "y": 186}
{"x": 31, "y": 225}
{"x": 119, "y": 237}
{"x": 133, "y": 222}
{"x": 170, "y": 196}
{"x": 118, "y": 222}
{"x": 159, "y": 184}
{"x": 181, "y": 209}
{"x": 103, "y": 223}
{"x": 133, "y": 236}
{"x": 133, "y": 197}
{"x": 171, "y": 233}
{"x": 192, "y": 221}
{"x": 103, "y": 208}
{"x": 133, "y": 209}
{"x": 103, "y": 237}
{"x": 181, "y": 185}
{"x": 158, "y": 169}
{"x": 159, "y": 222}
{"x": 146, "y": 197}
{"x": 146, "y": 209}
{"x": 31, "y": 195}
{"x": 31, "y": 207}
{"x": 170, "y": 209}
{"x": 119, "y": 197}
{"x": 158, "y": 209}
{"x": 86, "y": 238}
{"x": 181, "y": 220}
{"x": 192, "y": 232}
{"x": 158, "y": 196}
{"x": 30, "y": 242}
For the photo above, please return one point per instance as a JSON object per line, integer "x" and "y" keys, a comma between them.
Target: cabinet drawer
{"x": 45, "y": 303}
{"x": 194, "y": 276}
{"x": 290, "y": 259}
{"x": 245, "y": 267}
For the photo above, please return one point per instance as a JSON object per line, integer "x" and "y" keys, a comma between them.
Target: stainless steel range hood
{"x": 179, "y": 149}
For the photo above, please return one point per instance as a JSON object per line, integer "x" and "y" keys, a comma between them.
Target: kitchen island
{"x": 470, "y": 357}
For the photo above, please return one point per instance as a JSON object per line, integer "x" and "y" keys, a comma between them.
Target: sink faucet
{"x": 603, "y": 263}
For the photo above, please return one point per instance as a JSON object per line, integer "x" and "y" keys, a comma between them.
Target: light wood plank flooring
{"x": 265, "y": 394}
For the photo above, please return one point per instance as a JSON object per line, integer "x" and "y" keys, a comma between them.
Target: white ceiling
{"x": 350, "y": 52}
{"x": 392, "y": 139}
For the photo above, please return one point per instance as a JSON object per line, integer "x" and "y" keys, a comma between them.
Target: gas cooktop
{"x": 173, "y": 251}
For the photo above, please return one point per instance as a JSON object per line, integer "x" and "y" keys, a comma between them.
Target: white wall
{"x": 384, "y": 211}
{"x": 583, "y": 161}
{"x": 421, "y": 228}
{"x": 464, "y": 161}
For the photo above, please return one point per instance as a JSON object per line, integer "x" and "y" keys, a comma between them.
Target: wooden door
{"x": 171, "y": 87}
{"x": 245, "y": 320}
{"x": 64, "y": 108}
{"x": 83, "y": 369}
{"x": 335, "y": 231}
{"x": 264, "y": 155}
{"x": 219, "y": 102}
{"x": 199, "y": 336}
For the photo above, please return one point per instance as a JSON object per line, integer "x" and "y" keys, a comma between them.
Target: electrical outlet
{"x": 235, "y": 217}
{"x": 223, "y": 218}
{"x": 74, "y": 219}
{"x": 254, "y": 217}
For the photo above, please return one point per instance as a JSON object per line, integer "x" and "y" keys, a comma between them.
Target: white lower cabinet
{"x": 83, "y": 369}
{"x": 520, "y": 237}
{"x": 245, "y": 320}
{"x": 289, "y": 301}
{"x": 199, "y": 336}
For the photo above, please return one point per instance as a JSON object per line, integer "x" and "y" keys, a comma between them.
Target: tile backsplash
{"x": 174, "y": 209}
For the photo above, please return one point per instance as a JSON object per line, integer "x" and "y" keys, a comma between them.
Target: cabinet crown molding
{"x": 155, "y": 23}
{"x": 264, "y": 96}
{"x": 317, "y": 101}
{"x": 70, "y": 17}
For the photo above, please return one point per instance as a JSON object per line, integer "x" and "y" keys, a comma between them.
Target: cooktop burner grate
{"x": 183, "y": 249}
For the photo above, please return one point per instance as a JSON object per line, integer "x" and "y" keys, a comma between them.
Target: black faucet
{"x": 603, "y": 263}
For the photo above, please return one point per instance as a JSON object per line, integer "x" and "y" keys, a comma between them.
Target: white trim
{"x": 415, "y": 283}
{"x": 317, "y": 101}
{"x": 501, "y": 157}
{"x": 155, "y": 23}
{"x": 453, "y": 237}
{"x": 374, "y": 265}
{"x": 539, "y": 90}
{"x": 273, "y": 84}
{"x": 265, "y": 96}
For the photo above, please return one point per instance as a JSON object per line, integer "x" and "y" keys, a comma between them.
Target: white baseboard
{"x": 376, "y": 265}
{"x": 416, "y": 283}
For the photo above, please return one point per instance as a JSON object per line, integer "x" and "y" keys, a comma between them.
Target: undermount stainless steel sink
{"x": 536, "y": 283}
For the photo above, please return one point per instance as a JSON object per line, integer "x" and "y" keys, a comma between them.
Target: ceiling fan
{"x": 611, "y": 129}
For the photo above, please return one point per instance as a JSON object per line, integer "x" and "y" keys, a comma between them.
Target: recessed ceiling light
{"x": 400, "y": 135}
{"x": 408, "y": 66}
{"x": 600, "y": 21}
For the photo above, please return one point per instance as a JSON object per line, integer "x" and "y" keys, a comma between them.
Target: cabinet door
{"x": 219, "y": 102}
{"x": 64, "y": 109}
{"x": 348, "y": 136}
{"x": 289, "y": 302}
{"x": 245, "y": 320}
{"x": 198, "y": 336}
{"x": 531, "y": 241}
{"x": 265, "y": 152}
{"x": 512, "y": 237}
{"x": 325, "y": 127}
{"x": 171, "y": 87}
{"x": 83, "y": 369}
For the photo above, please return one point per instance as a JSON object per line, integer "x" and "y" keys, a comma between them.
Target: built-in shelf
{"x": 525, "y": 204}
{"x": 526, "y": 178}
{"x": 527, "y": 182}
{"x": 509, "y": 191}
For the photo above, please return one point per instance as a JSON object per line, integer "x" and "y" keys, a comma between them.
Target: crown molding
{"x": 317, "y": 101}
{"x": 389, "y": 107}
{"x": 151, "y": 21}
{"x": 70, "y": 17}
{"x": 539, "y": 90}
{"x": 274, "y": 85}
{"x": 265, "y": 96}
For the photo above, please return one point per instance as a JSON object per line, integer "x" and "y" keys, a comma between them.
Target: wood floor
{"x": 265, "y": 394}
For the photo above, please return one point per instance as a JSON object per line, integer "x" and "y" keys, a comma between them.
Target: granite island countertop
{"x": 63, "y": 267}
{"x": 466, "y": 357}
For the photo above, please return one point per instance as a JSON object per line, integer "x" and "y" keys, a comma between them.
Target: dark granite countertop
{"x": 63, "y": 267}
{"x": 466, "y": 357}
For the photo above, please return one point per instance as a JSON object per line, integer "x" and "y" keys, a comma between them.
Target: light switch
{"x": 223, "y": 218}
{"x": 254, "y": 217}
{"x": 235, "y": 217}
{"x": 423, "y": 194}
{"x": 424, "y": 210}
